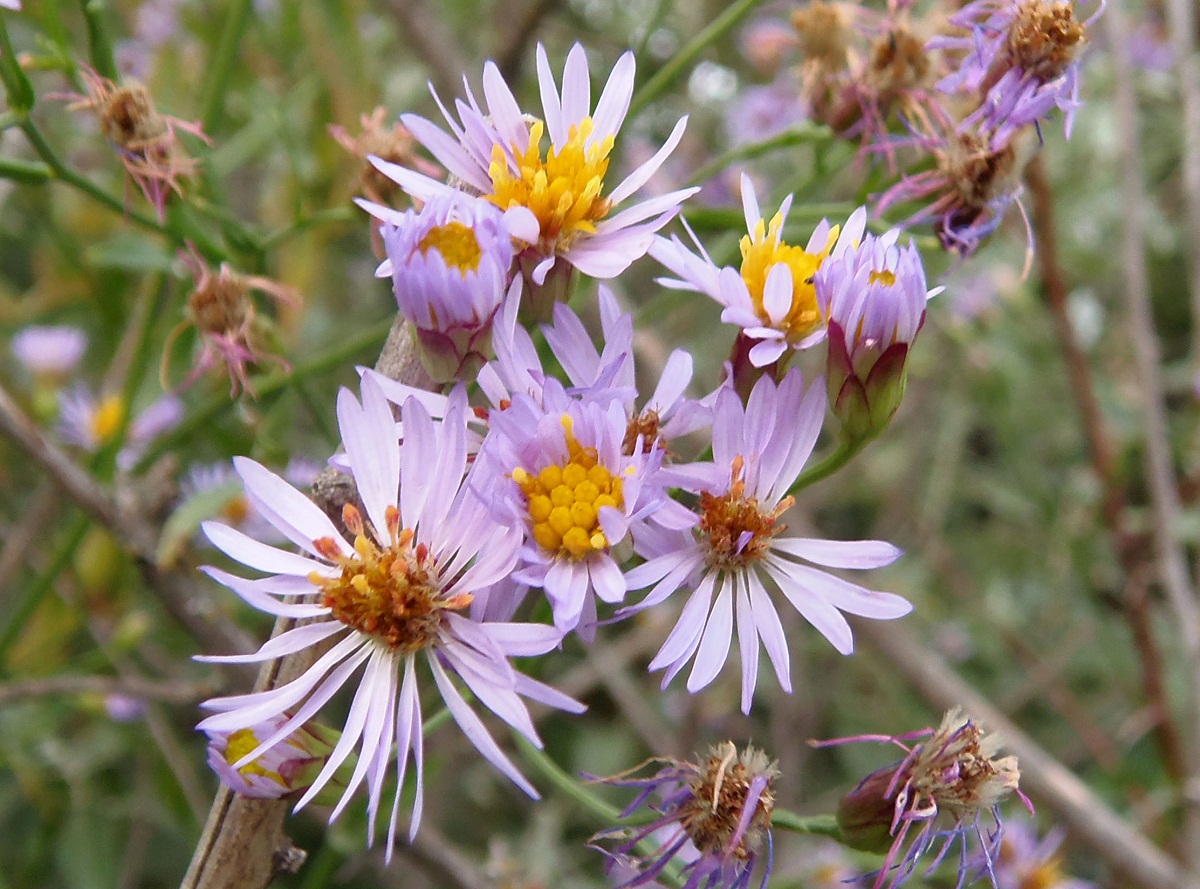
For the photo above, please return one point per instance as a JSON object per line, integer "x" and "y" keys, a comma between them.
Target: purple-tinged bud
{"x": 873, "y": 296}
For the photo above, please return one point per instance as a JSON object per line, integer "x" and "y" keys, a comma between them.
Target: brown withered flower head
{"x": 937, "y": 795}
{"x": 146, "y": 141}
{"x": 720, "y": 807}
{"x": 222, "y": 311}
{"x": 391, "y": 143}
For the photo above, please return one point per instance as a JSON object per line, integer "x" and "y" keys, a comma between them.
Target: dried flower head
{"x": 720, "y": 807}
{"x": 146, "y": 141}
{"x": 943, "y": 785}
{"x": 221, "y": 310}
{"x": 825, "y": 32}
{"x": 393, "y": 144}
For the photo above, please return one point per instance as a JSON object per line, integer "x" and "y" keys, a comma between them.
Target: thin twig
{"x": 510, "y": 54}
{"x": 134, "y": 687}
{"x": 1079, "y": 809}
{"x": 1173, "y": 571}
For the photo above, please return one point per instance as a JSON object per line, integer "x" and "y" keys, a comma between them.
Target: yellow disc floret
{"x": 238, "y": 745}
{"x": 106, "y": 419}
{"x": 564, "y": 502}
{"x": 886, "y": 277}
{"x": 562, "y": 190}
{"x": 457, "y": 245}
{"x": 762, "y": 249}
{"x": 392, "y": 593}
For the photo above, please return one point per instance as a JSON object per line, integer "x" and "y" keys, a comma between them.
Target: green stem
{"x": 716, "y": 29}
{"x": 99, "y": 43}
{"x": 31, "y": 597}
{"x": 802, "y": 134}
{"x": 222, "y": 63}
{"x": 62, "y": 174}
{"x": 569, "y": 787}
{"x": 16, "y": 84}
{"x": 321, "y": 217}
{"x": 27, "y": 172}
{"x": 841, "y": 455}
{"x": 821, "y": 825}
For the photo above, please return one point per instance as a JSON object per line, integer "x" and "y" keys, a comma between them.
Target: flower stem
{"x": 842, "y": 454}
{"x": 222, "y": 63}
{"x": 821, "y": 825}
{"x": 99, "y": 43}
{"x": 565, "y": 784}
{"x": 716, "y": 29}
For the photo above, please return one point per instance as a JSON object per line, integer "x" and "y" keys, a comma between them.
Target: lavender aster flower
{"x": 49, "y": 351}
{"x": 714, "y": 815}
{"x": 771, "y": 297}
{"x": 387, "y": 601}
{"x": 90, "y": 423}
{"x": 734, "y": 549}
{"x": 449, "y": 268}
{"x": 1026, "y": 861}
{"x": 557, "y": 201}
{"x": 557, "y": 469}
{"x": 874, "y": 297}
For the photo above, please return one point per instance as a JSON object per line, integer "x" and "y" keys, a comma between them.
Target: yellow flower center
{"x": 887, "y": 276}
{"x": 564, "y": 501}
{"x": 562, "y": 190}
{"x": 457, "y": 245}
{"x": 238, "y": 745}
{"x": 726, "y": 519}
{"x": 391, "y": 593}
{"x": 106, "y": 419}
{"x": 1046, "y": 875}
{"x": 761, "y": 251}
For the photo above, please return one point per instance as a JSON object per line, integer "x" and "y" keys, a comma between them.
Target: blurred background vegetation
{"x": 1032, "y": 573}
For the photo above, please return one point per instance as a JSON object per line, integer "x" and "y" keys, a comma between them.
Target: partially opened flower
{"x": 449, "y": 267}
{"x": 1027, "y": 861}
{"x": 770, "y": 297}
{"x": 390, "y": 601}
{"x": 874, "y": 299}
{"x": 940, "y": 790}
{"x": 559, "y": 201}
{"x": 287, "y": 768}
{"x": 735, "y": 552}
{"x": 92, "y": 423}
{"x": 713, "y": 817}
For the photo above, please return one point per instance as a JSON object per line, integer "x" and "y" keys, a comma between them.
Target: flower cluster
{"x": 968, "y": 91}
{"x": 532, "y": 492}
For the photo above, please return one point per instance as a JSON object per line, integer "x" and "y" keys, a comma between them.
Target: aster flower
{"x": 1023, "y": 55}
{"x": 557, "y": 469}
{"x": 558, "y": 204}
{"x": 1026, "y": 861}
{"x": 734, "y": 549}
{"x": 91, "y": 424}
{"x": 666, "y": 414}
{"x": 449, "y": 268}
{"x": 874, "y": 298}
{"x": 715, "y": 815}
{"x": 49, "y": 352}
{"x": 771, "y": 297}
{"x": 146, "y": 141}
{"x": 940, "y": 790}
{"x": 231, "y": 331}
{"x": 388, "y": 602}
{"x": 287, "y": 768}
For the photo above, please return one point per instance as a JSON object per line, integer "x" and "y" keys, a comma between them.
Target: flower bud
{"x": 873, "y": 295}
{"x": 288, "y": 766}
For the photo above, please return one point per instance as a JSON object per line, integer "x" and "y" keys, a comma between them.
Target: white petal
{"x": 840, "y": 553}
{"x": 714, "y": 645}
{"x": 299, "y": 519}
{"x": 260, "y": 556}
